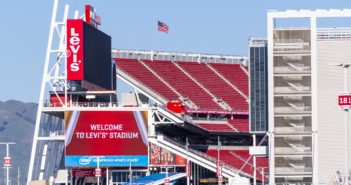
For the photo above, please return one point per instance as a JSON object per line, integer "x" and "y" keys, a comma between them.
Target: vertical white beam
{"x": 270, "y": 27}
{"x": 314, "y": 79}
{"x": 42, "y": 91}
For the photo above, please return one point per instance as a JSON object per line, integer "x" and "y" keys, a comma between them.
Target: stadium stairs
{"x": 234, "y": 175}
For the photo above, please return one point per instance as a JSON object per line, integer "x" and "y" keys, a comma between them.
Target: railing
{"x": 304, "y": 89}
{"x": 291, "y": 150}
{"x": 333, "y": 33}
{"x": 281, "y": 130}
{"x": 290, "y": 41}
{"x": 282, "y": 110}
{"x": 289, "y": 69}
{"x": 291, "y": 45}
{"x": 183, "y": 57}
{"x": 201, "y": 154}
{"x": 291, "y": 49}
{"x": 82, "y": 104}
{"x": 218, "y": 111}
{"x": 293, "y": 170}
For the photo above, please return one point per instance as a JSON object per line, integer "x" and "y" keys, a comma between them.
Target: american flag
{"x": 162, "y": 27}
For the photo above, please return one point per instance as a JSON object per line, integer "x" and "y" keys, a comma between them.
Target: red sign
{"x": 74, "y": 49}
{"x": 91, "y": 17}
{"x": 97, "y": 172}
{"x": 7, "y": 161}
{"x": 100, "y": 133}
{"x": 86, "y": 172}
{"x": 344, "y": 100}
{"x": 176, "y": 106}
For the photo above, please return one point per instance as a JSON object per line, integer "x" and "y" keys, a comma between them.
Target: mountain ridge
{"x": 17, "y": 121}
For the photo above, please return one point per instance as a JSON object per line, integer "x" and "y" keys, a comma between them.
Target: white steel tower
{"x": 48, "y": 141}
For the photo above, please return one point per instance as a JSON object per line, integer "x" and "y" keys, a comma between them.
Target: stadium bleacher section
{"x": 235, "y": 75}
{"x": 241, "y": 123}
{"x": 215, "y": 84}
{"x": 139, "y": 72}
{"x": 184, "y": 83}
{"x": 241, "y": 160}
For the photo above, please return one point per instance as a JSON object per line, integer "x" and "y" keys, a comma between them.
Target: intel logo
{"x": 84, "y": 160}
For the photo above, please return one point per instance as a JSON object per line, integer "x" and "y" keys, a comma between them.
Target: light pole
{"x": 219, "y": 169}
{"x": 187, "y": 163}
{"x": 98, "y": 170}
{"x": 7, "y": 160}
{"x": 344, "y": 101}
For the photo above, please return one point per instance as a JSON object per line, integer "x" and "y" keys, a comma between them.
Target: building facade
{"x": 258, "y": 85}
{"x": 305, "y": 123}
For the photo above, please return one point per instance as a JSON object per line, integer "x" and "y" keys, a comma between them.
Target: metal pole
{"x": 346, "y": 170}
{"x": 18, "y": 175}
{"x": 218, "y": 158}
{"x": 98, "y": 167}
{"x": 187, "y": 163}
{"x": 107, "y": 181}
{"x": 7, "y": 155}
{"x": 130, "y": 173}
{"x": 262, "y": 169}
{"x": 254, "y": 159}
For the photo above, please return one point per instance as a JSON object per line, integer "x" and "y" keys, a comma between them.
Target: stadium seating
{"x": 215, "y": 84}
{"x": 237, "y": 159}
{"x": 183, "y": 84}
{"x": 235, "y": 75}
{"x": 241, "y": 123}
{"x": 143, "y": 75}
{"x": 186, "y": 86}
{"x": 216, "y": 127}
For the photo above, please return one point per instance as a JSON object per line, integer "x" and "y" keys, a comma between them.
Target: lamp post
{"x": 187, "y": 163}
{"x": 219, "y": 168}
{"x": 98, "y": 170}
{"x": 7, "y": 160}
{"x": 344, "y": 101}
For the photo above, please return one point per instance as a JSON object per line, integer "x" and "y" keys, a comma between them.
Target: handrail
{"x": 82, "y": 104}
{"x": 203, "y": 155}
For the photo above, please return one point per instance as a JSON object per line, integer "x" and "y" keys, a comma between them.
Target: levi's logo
{"x": 74, "y": 46}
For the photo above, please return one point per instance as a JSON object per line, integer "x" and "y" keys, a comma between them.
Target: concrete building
{"x": 306, "y": 126}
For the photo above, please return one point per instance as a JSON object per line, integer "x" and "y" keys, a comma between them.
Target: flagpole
{"x": 155, "y": 37}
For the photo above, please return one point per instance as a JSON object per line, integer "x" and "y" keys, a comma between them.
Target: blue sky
{"x": 198, "y": 26}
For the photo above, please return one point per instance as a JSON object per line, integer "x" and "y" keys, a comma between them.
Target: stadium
{"x": 192, "y": 118}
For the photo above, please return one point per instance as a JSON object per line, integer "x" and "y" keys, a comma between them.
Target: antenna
{"x": 18, "y": 175}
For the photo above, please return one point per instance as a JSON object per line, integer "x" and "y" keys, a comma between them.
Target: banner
{"x": 161, "y": 156}
{"x": 118, "y": 138}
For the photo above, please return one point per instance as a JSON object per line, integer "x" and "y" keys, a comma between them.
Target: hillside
{"x": 17, "y": 120}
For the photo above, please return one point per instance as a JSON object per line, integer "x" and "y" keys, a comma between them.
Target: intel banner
{"x": 117, "y": 138}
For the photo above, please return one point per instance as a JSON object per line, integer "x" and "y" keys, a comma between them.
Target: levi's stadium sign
{"x": 344, "y": 100}
{"x": 119, "y": 136}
